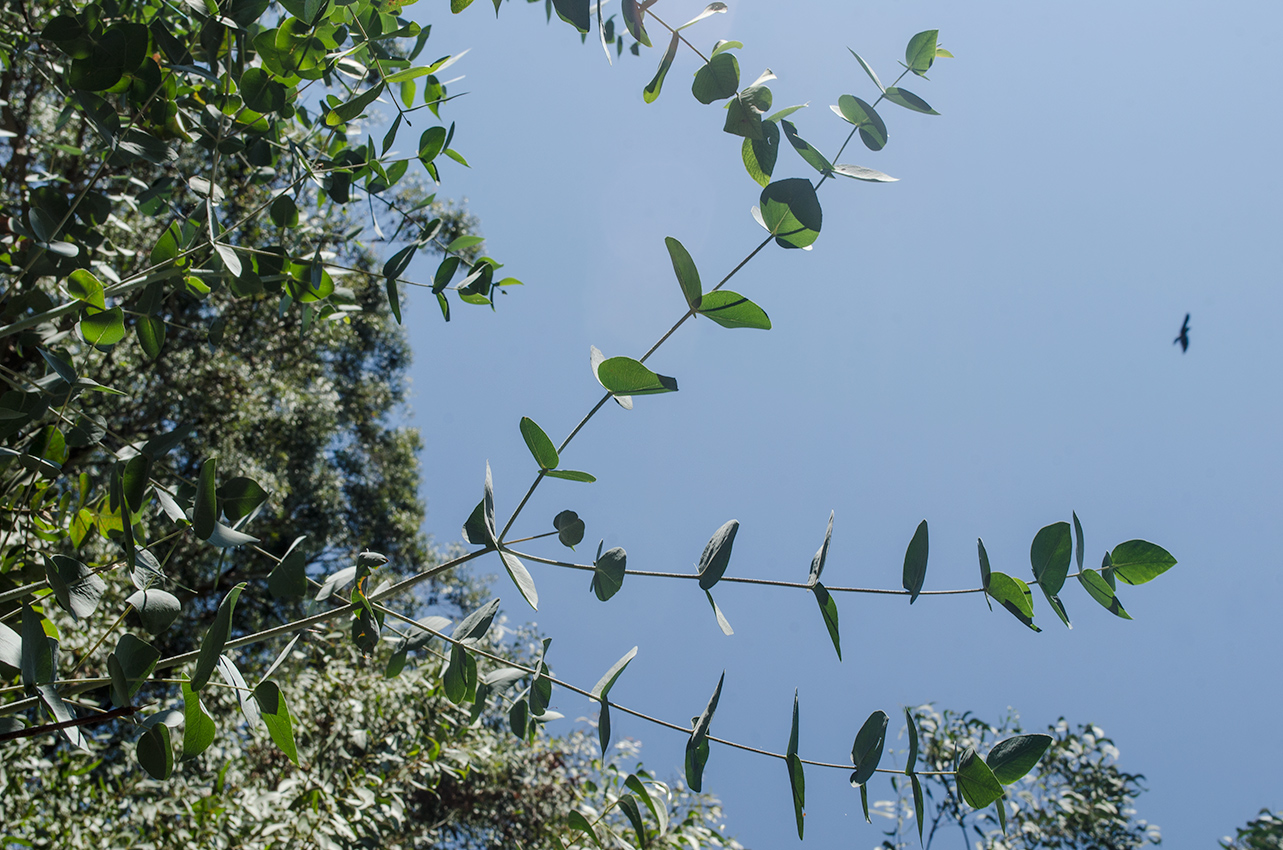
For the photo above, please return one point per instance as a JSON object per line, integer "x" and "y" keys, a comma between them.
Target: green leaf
{"x": 687, "y": 274}
{"x": 205, "y": 509}
{"x": 821, "y": 555}
{"x": 83, "y": 286}
{"x": 521, "y": 578}
{"x": 1011, "y": 759}
{"x": 571, "y": 475}
{"x": 38, "y": 662}
{"x": 868, "y": 175}
{"x": 628, "y": 804}
{"x": 915, "y": 562}
{"x": 759, "y": 155}
{"x": 575, "y": 13}
{"x": 608, "y": 573}
{"x": 918, "y": 808}
{"x": 276, "y": 714}
{"x": 791, "y": 212}
{"x": 519, "y": 718}
{"x": 805, "y": 149}
{"x": 868, "y": 70}
{"x": 212, "y": 646}
{"x": 574, "y": 820}
{"x": 1050, "y": 554}
{"x": 732, "y": 310}
{"x": 1056, "y": 605}
{"x": 709, "y": 10}
{"x": 1100, "y": 590}
{"x": 658, "y": 810}
{"x": 633, "y": 21}
{"x": 744, "y": 112}
{"x": 717, "y": 554}
{"x": 867, "y": 750}
{"x": 651, "y": 92}
{"x": 545, "y": 453}
{"x": 134, "y": 661}
{"x": 697, "y": 745}
{"x": 985, "y": 572}
{"x": 570, "y": 528}
{"x": 1078, "y": 538}
{"x": 474, "y": 626}
{"x": 156, "y": 753}
{"x": 239, "y": 497}
{"x": 394, "y": 298}
{"x": 1139, "y": 561}
{"x": 601, "y": 690}
{"x": 718, "y": 79}
{"x": 797, "y": 781}
{"x": 150, "y": 331}
{"x": 921, "y": 52}
{"x": 625, "y": 376}
{"x": 828, "y": 610}
{"x": 104, "y": 328}
{"x": 722, "y": 622}
{"x": 76, "y": 587}
{"x": 288, "y": 579}
{"x": 169, "y": 246}
{"x": 873, "y": 132}
{"x": 909, "y": 100}
{"x": 198, "y": 725}
{"x": 911, "y": 760}
{"x": 976, "y": 782}
{"x": 157, "y": 609}
{"x": 1014, "y": 595}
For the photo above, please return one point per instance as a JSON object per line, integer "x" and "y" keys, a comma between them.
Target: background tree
{"x": 1263, "y": 832}
{"x": 1077, "y": 797}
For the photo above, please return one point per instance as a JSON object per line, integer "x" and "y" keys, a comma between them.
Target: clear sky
{"x": 986, "y": 344}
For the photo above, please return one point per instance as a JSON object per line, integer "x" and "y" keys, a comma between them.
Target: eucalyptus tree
{"x": 238, "y": 123}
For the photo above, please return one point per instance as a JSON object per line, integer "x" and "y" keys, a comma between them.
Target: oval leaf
{"x": 540, "y": 446}
{"x": 867, "y": 750}
{"x": 625, "y": 376}
{"x": 687, "y": 274}
{"x": 976, "y": 782}
{"x": 1049, "y": 555}
{"x": 732, "y": 310}
{"x": 791, "y": 211}
{"x": 717, "y": 554}
{"x": 1011, "y": 759}
{"x": 1139, "y": 561}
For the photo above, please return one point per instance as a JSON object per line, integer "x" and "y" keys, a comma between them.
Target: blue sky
{"x": 986, "y": 344}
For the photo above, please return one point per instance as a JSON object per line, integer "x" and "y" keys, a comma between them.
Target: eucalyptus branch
{"x": 736, "y": 580}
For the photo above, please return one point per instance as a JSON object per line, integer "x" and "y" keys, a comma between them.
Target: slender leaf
{"x": 687, "y": 274}
{"x": 722, "y": 622}
{"x": 521, "y": 578}
{"x": 909, "y": 100}
{"x": 822, "y": 554}
{"x": 1100, "y": 590}
{"x": 829, "y": 611}
{"x": 868, "y": 70}
{"x": 276, "y": 714}
{"x": 651, "y": 92}
{"x": 198, "y": 725}
{"x": 212, "y": 646}
{"x": 797, "y": 781}
{"x": 915, "y": 562}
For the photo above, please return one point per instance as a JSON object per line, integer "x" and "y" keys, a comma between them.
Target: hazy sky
{"x": 986, "y": 344}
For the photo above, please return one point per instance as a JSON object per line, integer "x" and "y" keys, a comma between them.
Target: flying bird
{"x": 1183, "y": 339}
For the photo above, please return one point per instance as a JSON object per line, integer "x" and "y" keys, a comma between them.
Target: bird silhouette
{"x": 1183, "y": 339}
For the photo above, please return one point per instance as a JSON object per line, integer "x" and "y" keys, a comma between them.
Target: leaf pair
{"x": 726, "y": 308}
